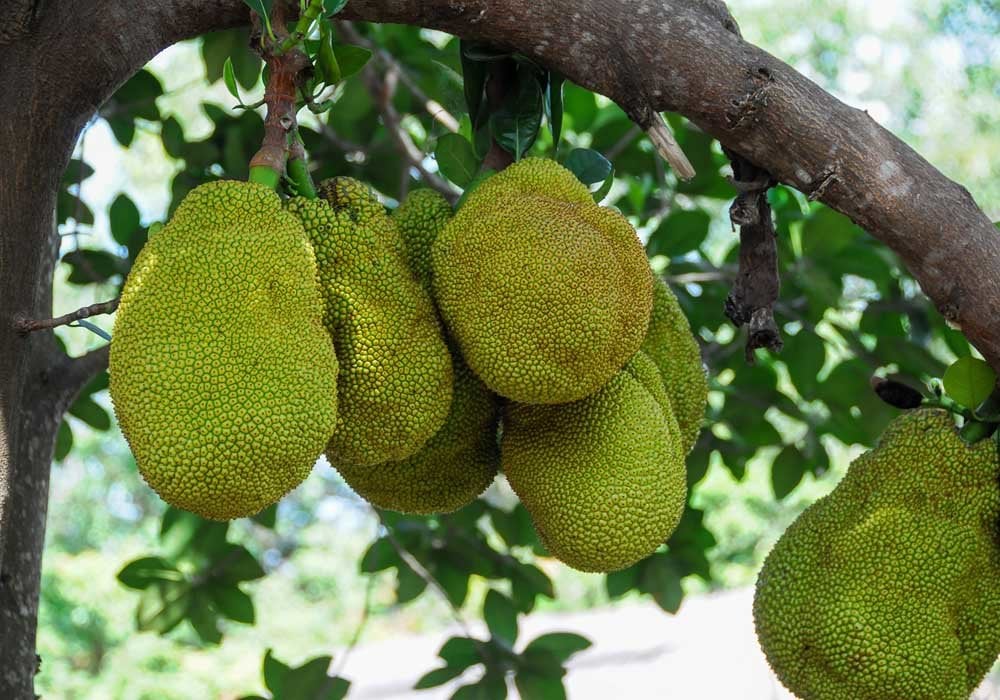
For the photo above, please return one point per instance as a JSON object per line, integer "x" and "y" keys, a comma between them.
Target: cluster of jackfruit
{"x": 887, "y": 588}
{"x": 423, "y": 352}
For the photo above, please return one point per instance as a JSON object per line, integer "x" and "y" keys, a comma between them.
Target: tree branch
{"x": 26, "y": 326}
{"x": 649, "y": 56}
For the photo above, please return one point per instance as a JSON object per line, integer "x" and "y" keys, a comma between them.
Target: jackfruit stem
{"x": 298, "y": 167}
{"x": 265, "y": 175}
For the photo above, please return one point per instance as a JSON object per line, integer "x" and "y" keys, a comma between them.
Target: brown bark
{"x": 62, "y": 60}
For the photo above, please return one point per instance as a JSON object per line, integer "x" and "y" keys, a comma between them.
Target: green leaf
{"x": 501, "y": 616}
{"x": 91, "y": 413}
{"x": 379, "y": 557}
{"x": 787, "y": 471}
{"x": 332, "y": 7}
{"x": 660, "y": 580}
{"x": 588, "y": 165}
{"x": 274, "y": 672}
{"x": 409, "y": 584}
{"x": 236, "y": 564}
{"x": 137, "y": 97}
{"x": 603, "y": 190}
{"x": 489, "y": 687}
{"x": 515, "y": 125}
{"x": 232, "y": 602}
{"x": 439, "y": 676}
{"x": 460, "y": 652}
{"x": 162, "y": 606}
{"x": 229, "y": 77}
{"x": 482, "y": 52}
{"x": 329, "y": 68}
{"x": 261, "y": 7}
{"x": 474, "y": 84}
{"x": 536, "y": 686}
{"x": 310, "y": 680}
{"x": 562, "y": 645}
{"x": 124, "y": 218}
{"x": 351, "y": 59}
{"x": 826, "y": 233}
{"x": 267, "y": 517}
{"x": 90, "y": 266}
{"x": 805, "y": 356}
{"x": 969, "y": 381}
{"x": 680, "y": 233}
{"x": 554, "y": 106}
{"x": 64, "y": 441}
{"x": 204, "y": 619}
{"x": 456, "y": 159}
{"x": 172, "y": 136}
{"x": 141, "y": 573}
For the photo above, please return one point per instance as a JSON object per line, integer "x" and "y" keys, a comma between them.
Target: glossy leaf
{"x": 969, "y": 381}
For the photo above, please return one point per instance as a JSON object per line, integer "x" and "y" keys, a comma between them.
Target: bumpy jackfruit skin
{"x": 603, "y": 477}
{"x": 547, "y": 294}
{"x": 455, "y": 466}
{"x": 223, "y": 377}
{"x": 395, "y": 381}
{"x": 887, "y": 588}
{"x": 420, "y": 218}
{"x": 671, "y": 345}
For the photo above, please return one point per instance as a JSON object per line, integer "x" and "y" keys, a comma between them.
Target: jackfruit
{"x": 603, "y": 477}
{"x": 547, "y": 294}
{"x": 451, "y": 470}
{"x": 461, "y": 460}
{"x": 420, "y": 218}
{"x": 395, "y": 381}
{"x": 670, "y": 344}
{"x": 887, "y": 588}
{"x": 223, "y": 378}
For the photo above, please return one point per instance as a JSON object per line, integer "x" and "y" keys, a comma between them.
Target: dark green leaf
{"x": 969, "y": 381}
{"x": 456, "y": 159}
{"x": 332, "y": 7}
{"x": 267, "y": 517}
{"x": 680, "y": 233}
{"x": 460, "y": 652}
{"x": 137, "y": 97}
{"x": 380, "y": 556}
{"x": 588, "y": 165}
{"x": 474, "y": 81}
{"x": 515, "y": 125}
{"x": 826, "y": 233}
{"x": 787, "y": 471}
{"x": 232, "y": 602}
{"x": 173, "y": 138}
{"x": 141, "y": 573}
{"x": 482, "y": 52}
{"x": 804, "y": 355}
{"x": 554, "y": 106}
{"x": 351, "y": 59}
{"x": 660, "y": 580}
{"x": 124, "y": 219}
{"x": 261, "y": 7}
{"x": 438, "y": 676}
{"x": 489, "y": 687}
{"x": 534, "y": 686}
{"x": 274, "y": 672}
{"x": 560, "y": 645}
{"x": 329, "y": 68}
{"x": 236, "y": 564}
{"x": 90, "y": 266}
{"x": 162, "y": 606}
{"x": 64, "y": 441}
{"x": 204, "y": 619}
{"x": 501, "y": 616}
{"x": 409, "y": 584}
{"x": 618, "y": 583}
{"x": 94, "y": 415}
{"x": 229, "y": 77}
{"x": 310, "y": 680}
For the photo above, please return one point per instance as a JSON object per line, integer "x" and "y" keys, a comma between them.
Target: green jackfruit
{"x": 547, "y": 294}
{"x": 222, "y": 376}
{"x": 451, "y": 470}
{"x": 461, "y": 460}
{"x": 395, "y": 372}
{"x": 887, "y": 588}
{"x": 670, "y": 344}
{"x": 603, "y": 478}
{"x": 420, "y": 218}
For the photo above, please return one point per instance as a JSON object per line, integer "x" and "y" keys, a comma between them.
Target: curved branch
{"x": 649, "y": 56}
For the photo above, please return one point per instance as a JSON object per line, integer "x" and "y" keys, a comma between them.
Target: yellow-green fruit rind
{"x": 452, "y": 469}
{"x": 222, "y": 376}
{"x": 645, "y": 371}
{"x": 547, "y": 294}
{"x": 420, "y": 218}
{"x": 886, "y": 589}
{"x": 603, "y": 478}
{"x": 395, "y": 371}
{"x": 671, "y": 345}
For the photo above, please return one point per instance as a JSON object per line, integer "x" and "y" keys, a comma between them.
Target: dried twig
{"x": 25, "y": 326}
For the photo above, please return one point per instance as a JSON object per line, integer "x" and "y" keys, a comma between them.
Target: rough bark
{"x": 62, "y": 60}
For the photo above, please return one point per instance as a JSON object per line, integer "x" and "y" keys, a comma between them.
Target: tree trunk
{"x": 59, "y": 61}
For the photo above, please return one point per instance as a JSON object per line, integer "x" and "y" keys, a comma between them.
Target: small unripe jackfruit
{"x": 547, "y": 294}
{"x": 461, "y": 460}
{"x": 222, "y": 376}
{"x": 886, "y": 589}
{"x": 603, "y": 477}
{"x": 670, "y": 344}
{"x": 395, "y": 372}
